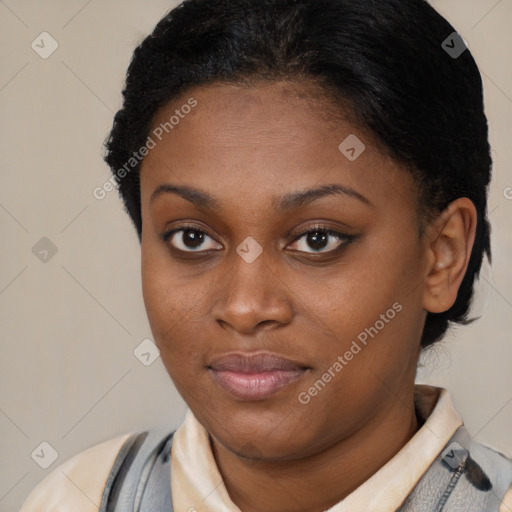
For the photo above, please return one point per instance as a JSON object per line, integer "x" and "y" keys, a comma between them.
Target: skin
{"x": 247, "y": 146}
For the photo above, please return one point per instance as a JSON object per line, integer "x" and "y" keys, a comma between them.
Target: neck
{"x": 318, "y": 482}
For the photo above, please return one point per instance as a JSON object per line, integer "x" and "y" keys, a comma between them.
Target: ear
{"x": 450, "y": 241}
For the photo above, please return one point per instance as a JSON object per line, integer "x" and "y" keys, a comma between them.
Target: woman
{"x": 308, "y": 180}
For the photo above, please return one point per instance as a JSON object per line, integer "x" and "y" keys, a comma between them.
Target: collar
{"x": 197, "y": 485}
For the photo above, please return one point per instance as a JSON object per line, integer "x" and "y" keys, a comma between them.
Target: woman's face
{"x": 229, "y": 270}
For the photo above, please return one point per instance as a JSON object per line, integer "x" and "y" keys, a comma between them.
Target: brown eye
{"x": 318, "y": 239}
{"x": 190, "y": 239}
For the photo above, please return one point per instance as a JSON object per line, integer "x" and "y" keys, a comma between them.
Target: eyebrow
{"x": 288, "y": 202}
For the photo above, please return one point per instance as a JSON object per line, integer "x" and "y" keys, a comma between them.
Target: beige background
{"x": 68, "y": 374}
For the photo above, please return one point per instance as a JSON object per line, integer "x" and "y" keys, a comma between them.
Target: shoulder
{"x": 496, "y": 463}
{"x": 78, "y": 483}
{"x": 492, "y": 472}
{"x": 498, "y": 467}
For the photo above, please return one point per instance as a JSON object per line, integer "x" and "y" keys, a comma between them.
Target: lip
{"x": 256, "y": 376}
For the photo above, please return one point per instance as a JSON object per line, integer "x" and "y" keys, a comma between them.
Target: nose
{"x": 252, "y": 296}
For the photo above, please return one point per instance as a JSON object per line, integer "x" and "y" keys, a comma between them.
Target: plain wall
{"x": 68, "y": 374}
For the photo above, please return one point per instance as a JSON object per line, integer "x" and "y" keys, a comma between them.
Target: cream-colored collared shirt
{"x": 77, "y": 485}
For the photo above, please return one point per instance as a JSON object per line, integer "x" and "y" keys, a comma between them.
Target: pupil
{"x": 314, "y": 238}
{"x": 193, "y": 238}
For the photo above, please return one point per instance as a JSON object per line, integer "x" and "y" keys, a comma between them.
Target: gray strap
{"x": 155, "y": 495}
{"x": 141, "y": 467}
{"x": 466, "y": 476}
{"x": 119, "y": 470}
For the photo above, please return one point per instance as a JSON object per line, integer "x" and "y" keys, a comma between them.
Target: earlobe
{"x": 450, "y": 243}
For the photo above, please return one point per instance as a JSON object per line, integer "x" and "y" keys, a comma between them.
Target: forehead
{"x": 263, "y": 141}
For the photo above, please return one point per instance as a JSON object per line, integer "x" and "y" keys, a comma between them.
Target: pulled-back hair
{"x": 384, "y": 58}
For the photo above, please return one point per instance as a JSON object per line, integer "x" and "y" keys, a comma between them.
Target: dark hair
{"x": 385, "y": 57}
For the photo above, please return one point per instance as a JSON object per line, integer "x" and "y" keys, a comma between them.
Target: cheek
{"x": 174, "y": 316}
{"x": 371, "y": 308}
{"x": 164, "y": 302}
{"x": 158, "y": 298}
{"x": 175, "y": 309}
{"x": 364, "y": 287}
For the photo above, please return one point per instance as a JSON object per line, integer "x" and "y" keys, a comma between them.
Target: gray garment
{"x": 140, "y": 477}
{"x": 466, "y": 477}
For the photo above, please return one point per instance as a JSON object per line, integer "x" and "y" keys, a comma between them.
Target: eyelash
{"x": 319, "y": 229}
{"x": 342, "y": 237}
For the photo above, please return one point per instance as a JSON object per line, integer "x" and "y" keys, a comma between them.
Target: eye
{"x": 319, "y": 238}
{"x": 322, "y": 240}
{"x": 190, "y": 239}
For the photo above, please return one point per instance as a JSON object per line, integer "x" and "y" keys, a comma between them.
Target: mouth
{"x": 251, "y": 377}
